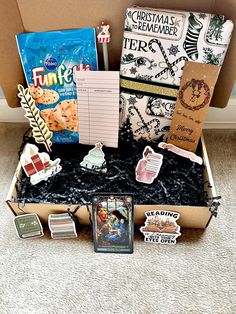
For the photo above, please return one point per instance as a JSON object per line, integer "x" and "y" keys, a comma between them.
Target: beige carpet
{"x": 196, "y": 276}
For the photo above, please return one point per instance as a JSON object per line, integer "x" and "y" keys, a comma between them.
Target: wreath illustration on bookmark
{"x": 194, "y": 95}
{"x": 41, "y": 133}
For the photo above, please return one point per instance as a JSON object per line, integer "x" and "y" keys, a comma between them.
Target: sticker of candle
{"x": 38, "y": 166}
{"x": 104, "y": 38}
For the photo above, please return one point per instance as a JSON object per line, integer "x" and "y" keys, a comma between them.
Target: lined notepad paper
{"x": 98, "y": 104}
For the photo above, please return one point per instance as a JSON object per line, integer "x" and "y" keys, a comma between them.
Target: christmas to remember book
{"x": 156, "y": 45}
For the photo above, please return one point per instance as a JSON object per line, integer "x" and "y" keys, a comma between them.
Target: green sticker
{"x": 28, "y": 226}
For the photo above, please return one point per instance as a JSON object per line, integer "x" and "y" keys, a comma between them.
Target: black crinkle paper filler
{"x": 180, "y": 181}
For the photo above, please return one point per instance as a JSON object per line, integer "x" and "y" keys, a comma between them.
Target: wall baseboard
{"x": 219, "y": 125}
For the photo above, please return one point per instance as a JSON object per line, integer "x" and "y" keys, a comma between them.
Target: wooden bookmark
{"x": 195, "y": 93}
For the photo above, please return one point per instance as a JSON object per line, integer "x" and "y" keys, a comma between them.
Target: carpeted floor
{"x": 44, "y": 276}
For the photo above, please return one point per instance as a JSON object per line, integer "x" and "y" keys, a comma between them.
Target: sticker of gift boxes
{"x": 38, "y": 166}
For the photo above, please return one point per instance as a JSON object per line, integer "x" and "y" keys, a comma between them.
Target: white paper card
{"x": 98, "y": 104}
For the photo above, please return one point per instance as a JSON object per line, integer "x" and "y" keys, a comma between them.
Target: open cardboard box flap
{"x": 17, "y": 16}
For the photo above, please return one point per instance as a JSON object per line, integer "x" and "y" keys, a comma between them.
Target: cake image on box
{"x": 156, "y": 45}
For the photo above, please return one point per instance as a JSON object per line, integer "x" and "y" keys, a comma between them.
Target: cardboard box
{"x": 190, "y": 216}
{"x": 17, "y": 16}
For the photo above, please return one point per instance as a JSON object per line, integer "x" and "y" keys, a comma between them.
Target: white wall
{"x": 8, "y": 114}
{"x": 218, "y": 118}
{"x": 223, "y": 118}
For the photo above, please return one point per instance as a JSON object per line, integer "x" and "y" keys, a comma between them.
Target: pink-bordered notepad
{"x": 98, "y": 106}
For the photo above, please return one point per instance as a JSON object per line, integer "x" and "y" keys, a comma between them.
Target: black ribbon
{"x": 213, "y": 204}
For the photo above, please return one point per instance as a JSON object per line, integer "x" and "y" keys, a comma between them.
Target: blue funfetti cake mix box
{"x": 48, "y": 60}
